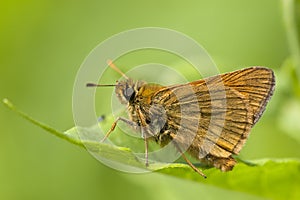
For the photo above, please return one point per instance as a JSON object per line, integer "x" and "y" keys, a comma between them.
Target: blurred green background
{"x": 43, "y": 44}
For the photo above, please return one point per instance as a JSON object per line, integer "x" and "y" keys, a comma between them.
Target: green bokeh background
{"x": 43, "y": 44}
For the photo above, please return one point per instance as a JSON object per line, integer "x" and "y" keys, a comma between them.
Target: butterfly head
{"x": 127, "y": 90}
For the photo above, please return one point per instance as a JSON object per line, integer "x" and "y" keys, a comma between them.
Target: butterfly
{"x": 210, "y": 118}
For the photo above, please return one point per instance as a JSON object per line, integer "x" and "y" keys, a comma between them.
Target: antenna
{"x": 99, "y": 85}
{"x": 114, "y": 67}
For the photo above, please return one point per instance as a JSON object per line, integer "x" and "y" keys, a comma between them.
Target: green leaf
{"x": 42, "y": 125}
{"x": 276, "y": 179}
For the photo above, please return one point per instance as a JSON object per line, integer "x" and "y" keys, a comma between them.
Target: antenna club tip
{"x": 90, "y": 85}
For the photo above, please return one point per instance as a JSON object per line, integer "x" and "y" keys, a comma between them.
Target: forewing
{"x": 223, "y": 107}
{"x": 256, "y": 84}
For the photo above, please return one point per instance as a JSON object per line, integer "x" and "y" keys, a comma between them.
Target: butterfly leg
{"x": 193, "y": 166}
{"x": 145, "y": 133}
{"x": 188, "y": 161}
{"x": 113, "y": 126}
{"x": 146, "y": 148}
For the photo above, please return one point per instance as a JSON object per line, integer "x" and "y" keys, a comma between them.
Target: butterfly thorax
{"x": 149, "y": 117}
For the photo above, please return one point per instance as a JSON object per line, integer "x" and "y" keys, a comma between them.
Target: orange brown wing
{"x": 217, "y": 113}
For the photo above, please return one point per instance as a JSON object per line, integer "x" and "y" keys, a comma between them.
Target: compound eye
{"x": 128, "y": 93}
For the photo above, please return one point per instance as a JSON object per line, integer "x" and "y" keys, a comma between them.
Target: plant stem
{"x": 292, "y": 35}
